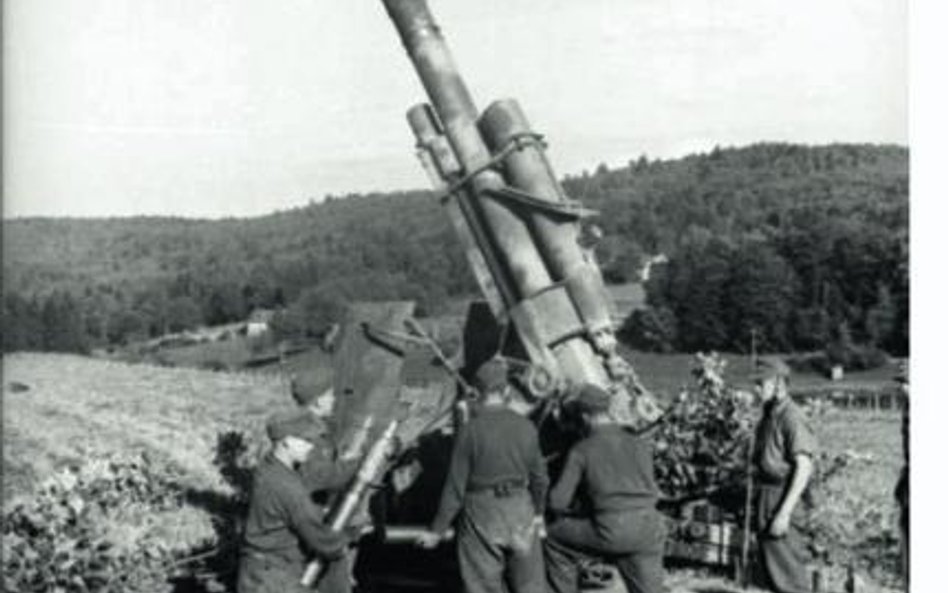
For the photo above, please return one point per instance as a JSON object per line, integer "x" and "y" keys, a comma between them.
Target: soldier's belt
{"x": 500, "y": 489}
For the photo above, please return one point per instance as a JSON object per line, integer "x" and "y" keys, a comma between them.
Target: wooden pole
{"x": 748, "y": 494}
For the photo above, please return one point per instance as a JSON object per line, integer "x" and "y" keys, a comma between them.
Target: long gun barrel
{"x": 519, "y": 229}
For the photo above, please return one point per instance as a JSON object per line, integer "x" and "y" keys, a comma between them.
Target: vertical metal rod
{"x": 748, "y": 508}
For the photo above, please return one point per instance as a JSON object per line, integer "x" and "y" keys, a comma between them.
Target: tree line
{"x": 797, "y": 243}
{"x": 816, "y": 260}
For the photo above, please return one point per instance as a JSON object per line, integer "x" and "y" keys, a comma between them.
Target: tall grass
{"x": 76, "y": 407}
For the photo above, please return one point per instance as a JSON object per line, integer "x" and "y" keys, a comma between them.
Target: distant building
{"x": 258, "y": 323}
{"x": 646, "y": 272}
{"x": 836, "y": 373}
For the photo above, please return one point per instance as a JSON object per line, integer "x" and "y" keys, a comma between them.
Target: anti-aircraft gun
{"x": 519, "y": 229}
{"x": 547, "y": 309}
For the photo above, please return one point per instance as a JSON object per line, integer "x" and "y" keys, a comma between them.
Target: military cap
{"x": 592, "y": 399}
{"x": 491, "y": 376}
{"x": 297, "y": 423}
{"x": 769, "y": 367}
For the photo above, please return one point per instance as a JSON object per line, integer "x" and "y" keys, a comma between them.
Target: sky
{"x": 213, "y": 108}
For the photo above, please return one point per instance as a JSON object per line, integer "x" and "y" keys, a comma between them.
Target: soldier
{"x": 496, "y": 487}
{"x": 283, "y": 524}
{"x": 324, "y": 473}
{"x": 784, "y": 451}
{"x": 613, "y": 471}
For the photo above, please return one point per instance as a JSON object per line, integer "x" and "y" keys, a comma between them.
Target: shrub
{"x": 61, "y": 539}
{"x": 214, "y": 365}
{"x": 652, "y": 329}
{"x": 701, "y": 444}
{"x": 852, "y": 357}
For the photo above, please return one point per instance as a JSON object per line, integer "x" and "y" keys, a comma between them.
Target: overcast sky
{"x": 242, "y": 107}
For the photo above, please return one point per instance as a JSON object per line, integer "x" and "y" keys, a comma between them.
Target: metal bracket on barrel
{"x": 556, "y": 305}
{"x": 569, "y": 210}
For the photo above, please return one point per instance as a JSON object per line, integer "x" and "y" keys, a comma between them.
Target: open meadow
{"x": 76, "y": 407}
{"x": 62, "y": 410}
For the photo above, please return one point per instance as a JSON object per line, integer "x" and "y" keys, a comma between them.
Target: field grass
{"x": 76, "y": 407}
{"x": 226, "y": 354}
{"x": 858, "y": 501}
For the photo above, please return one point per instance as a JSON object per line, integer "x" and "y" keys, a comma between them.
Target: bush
{"x": 701, "y": 445}
{"x": 235, "y": 457}
{"x": 59, "y": 539}
{"x": 852, "y": 357}
{"x": 114, "y": 525}
{"x": 652, "y": 329}
{"x": 214, "y": 365}
{"x": 811, "y": 362}
{"x": 857, "y": 357}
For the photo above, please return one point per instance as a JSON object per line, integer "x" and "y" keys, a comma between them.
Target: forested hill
{"x": 114, "y": 279}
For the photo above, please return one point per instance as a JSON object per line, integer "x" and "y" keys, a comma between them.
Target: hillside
{"x": 758, "y": 188}
{"x": 112, "y": 280}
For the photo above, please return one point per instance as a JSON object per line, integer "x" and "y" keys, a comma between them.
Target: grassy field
{"x": 74, "y": 407}
{"x": 858, "y": 502}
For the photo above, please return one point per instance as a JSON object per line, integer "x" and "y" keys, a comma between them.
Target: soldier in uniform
{"x": 611, "y": 471}
{"x": 324, "y": 472}
{"x": 784, "y": 451}
{"x": 494, "y": 494}
{"x": 284, "y": 526}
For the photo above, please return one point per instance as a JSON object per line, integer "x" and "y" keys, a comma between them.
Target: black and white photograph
{"x": 406, "y": 296}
